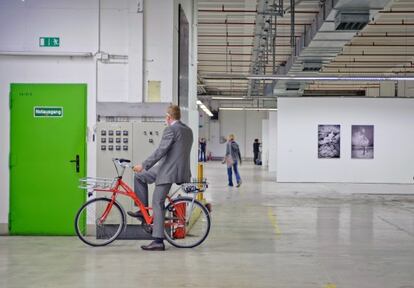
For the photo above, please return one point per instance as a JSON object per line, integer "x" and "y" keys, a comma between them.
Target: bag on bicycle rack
{"x": 179, "y": 213}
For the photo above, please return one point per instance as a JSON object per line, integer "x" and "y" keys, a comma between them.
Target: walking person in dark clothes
{"x": 203, "y": 145}
{"x": 256, "y": 150}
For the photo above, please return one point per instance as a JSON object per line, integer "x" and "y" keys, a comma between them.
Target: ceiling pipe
{"x": 332, "y": 78}
{"x": 253, "y": 11}
{"x": 250, "y": 23}
{"x": 393, "y": 53}
{"x": 402, "y": 23}
{"x": 243, "y": 54}
{"x": 240, "y": 36}
{"x": 292, "y": 27}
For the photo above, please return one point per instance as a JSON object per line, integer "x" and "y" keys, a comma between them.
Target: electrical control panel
{"x": 109, "y": 144}
{"x": 146, "y": 138}
{"x": 130, "y": 140}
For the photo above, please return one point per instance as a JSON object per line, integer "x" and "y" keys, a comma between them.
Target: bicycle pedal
{"x": 147, "y": 228}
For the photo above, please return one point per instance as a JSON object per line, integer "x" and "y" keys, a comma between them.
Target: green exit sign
{"x": 49, "y": 41}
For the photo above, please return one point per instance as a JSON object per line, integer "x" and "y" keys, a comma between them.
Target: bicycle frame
{"x": 127, "y": 191}
{"x": 118, "y": 186}
{"x": 122, "y": 188}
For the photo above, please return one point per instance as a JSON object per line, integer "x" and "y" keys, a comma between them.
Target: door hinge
{"x": 11, "y": 161}
{"x": 10, "y": 100}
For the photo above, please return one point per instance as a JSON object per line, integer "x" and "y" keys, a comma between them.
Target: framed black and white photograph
{"x": 329, "y": 141}
{"x": 362, "y": 142}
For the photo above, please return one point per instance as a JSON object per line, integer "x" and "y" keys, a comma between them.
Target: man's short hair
{"x": 174, "y": 111}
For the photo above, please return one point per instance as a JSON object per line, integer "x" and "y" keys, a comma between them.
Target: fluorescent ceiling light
{"x": 228, "y": 98}
{"x": 331, "y": 78}
{"x": 243, "y": 98}
{"x": 247, "y": 109}
{"x": 204, "y": 108}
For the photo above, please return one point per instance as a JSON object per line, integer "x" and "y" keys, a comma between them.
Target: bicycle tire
{"x": 190, "y": 231}
{"x": 105, "y": 233}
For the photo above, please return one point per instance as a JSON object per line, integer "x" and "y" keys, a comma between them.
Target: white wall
{"x": 298, "y": 120}
{"x": 21, "y": 25}
{"x": 76, "y": 23}
{"x": 273, "y": 140}
{"x": 121, "y": 35}
{"x": 265, "y": 142}
{"x": 159, "y": 46}
{"x": 245, "y": 125}
{"x": 23, "y": 22}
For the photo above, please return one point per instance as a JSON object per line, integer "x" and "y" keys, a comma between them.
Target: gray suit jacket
{"x": 173, "y": 155}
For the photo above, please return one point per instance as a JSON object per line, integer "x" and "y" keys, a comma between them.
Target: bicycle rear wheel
{"x": 187, "y": 222}
{"x": 99, "y": 223}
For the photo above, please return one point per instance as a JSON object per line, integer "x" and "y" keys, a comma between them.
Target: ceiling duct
{"x": 312, "y": 65}
{"x": 351, "y": 20}
{"x": 293, "y": 86}
{"x": 268, "y": 89}
{"x": 333, "y": 93}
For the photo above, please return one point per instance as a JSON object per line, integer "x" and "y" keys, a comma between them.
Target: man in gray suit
{"x": 173, "y": 158}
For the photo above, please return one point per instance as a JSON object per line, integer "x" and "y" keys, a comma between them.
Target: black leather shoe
{"x": 137, "y": 214}
{"x": 154, "y": 246}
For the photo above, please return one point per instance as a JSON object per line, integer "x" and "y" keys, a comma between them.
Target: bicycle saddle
{"x": 123, "y": 160}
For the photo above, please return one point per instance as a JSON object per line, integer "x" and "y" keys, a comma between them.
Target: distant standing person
{"x": 231, "y": 159}
{"x": 256, "y": 150}
{"x": 203, "y": 144}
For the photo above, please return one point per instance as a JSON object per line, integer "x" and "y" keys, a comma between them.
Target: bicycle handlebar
{"x": 122, "y": 162}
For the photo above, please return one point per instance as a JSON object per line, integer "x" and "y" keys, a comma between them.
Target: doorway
{"x": 47, "y": 157}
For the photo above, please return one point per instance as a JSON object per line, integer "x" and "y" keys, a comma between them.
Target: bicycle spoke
{"x": 98, "y": 222}
{"x": 187, "y": 223}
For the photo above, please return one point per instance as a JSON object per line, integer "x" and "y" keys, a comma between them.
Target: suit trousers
{"x": 141, "y": 181}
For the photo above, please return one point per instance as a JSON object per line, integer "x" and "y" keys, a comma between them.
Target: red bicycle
{"x": 101, "y": 220}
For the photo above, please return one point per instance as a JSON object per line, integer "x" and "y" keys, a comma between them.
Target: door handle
{"x": 77, "y": 161}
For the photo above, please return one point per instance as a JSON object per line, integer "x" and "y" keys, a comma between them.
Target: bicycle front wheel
{"x": 99, "y": 221}
{"x": 187, "y": 222}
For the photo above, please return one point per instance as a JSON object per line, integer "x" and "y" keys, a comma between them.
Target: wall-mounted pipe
{"x": 292, "y": 27}
{"x": 46, "y": 54}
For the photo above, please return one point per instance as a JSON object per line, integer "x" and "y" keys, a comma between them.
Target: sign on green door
{"x": 45, "y": 145}
{"x": 48, "y": 111}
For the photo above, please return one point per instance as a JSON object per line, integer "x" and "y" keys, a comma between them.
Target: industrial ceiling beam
{"x": 247, "y": 23}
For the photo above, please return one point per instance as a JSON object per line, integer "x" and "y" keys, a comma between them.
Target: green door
{"x": 48, "y": 138}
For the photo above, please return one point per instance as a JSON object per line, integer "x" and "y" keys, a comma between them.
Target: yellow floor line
{"x": 330, "y": 285}
{"x": 273, "y": 220}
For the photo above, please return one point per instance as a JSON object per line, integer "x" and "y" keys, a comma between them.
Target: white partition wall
{"x": 273, "y": 141}
{"x": 393, "y": 121}
{"x": 265, "y": 142}
{"x": 245, "y": 125}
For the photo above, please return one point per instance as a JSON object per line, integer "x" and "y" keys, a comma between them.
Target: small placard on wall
{"x": 154, "y": 91}
{"x": 47, "y": 111}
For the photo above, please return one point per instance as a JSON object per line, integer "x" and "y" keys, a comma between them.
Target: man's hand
{"x": 138, "y": 168}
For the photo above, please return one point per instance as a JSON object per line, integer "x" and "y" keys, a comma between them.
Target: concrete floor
{"x": 264, "y": 234}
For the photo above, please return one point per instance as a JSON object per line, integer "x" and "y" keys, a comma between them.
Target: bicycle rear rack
{"x": 195, "y": 186}
{"x": 91, "y": 183}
